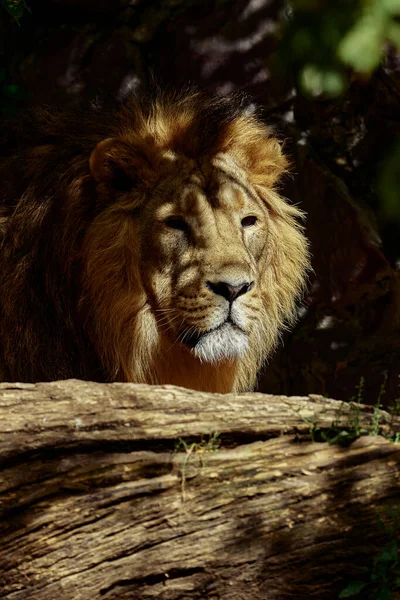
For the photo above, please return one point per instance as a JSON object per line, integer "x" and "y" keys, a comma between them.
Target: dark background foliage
{"x": 328, "y": 76}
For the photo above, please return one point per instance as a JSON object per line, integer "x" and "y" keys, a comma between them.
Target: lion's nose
{"x": 229, "y": 291}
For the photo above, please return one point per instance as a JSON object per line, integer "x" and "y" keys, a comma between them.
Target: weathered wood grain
{"x": 95, "y": 503}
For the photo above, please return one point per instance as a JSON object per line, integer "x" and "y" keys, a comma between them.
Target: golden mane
{"x": 73, "y": 297}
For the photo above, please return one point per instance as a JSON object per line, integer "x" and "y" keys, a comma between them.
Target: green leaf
{"x": 380, "y": 524}
{"x": 16, "y": 8}
{"x": 389, "y": 182}
{"x": 384, "y": 593}
{"x": 15, "y": 11}
{"x": 333, "y": 83}
{"x": 315, "y": 81}
{"x": 393, "y": 34}
{"x": 392, "y": 7}
{"x": 11, "y": 91}
{"x": 310, "y": 80}
{"x": 361, "y": 47}
{"x": 389, "y": 552}
{"x": 302, "y": 42}
{"x": 353, "y": 589}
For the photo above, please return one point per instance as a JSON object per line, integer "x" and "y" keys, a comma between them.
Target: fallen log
{"x": 126, "y": 491}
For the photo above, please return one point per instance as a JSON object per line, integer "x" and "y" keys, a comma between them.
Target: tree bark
{"x": 115, "y": 492}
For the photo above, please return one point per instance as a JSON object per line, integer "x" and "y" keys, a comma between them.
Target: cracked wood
{"x": 95, "y": 503}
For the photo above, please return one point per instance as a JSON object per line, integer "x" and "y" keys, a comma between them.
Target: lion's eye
{"x": 249, "y": 221}
{"x": 177, "y": 223}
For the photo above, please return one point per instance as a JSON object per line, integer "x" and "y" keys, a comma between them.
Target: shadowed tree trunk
{"x": 121, "y": 491}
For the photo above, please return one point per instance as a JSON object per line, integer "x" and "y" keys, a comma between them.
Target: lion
{"x": 146, "y": 242}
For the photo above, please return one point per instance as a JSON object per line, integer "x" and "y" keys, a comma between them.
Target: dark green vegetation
{"x": 381, "y": 579}
{"x": 346, "y": 428}
{"x": 15, "y": 8}
{"x": 351, "y": 36}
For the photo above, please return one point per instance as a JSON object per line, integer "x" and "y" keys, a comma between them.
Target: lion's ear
{"x": 120, "y": 163}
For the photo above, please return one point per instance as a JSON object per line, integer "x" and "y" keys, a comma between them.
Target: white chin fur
{"x": 227, "y": 342}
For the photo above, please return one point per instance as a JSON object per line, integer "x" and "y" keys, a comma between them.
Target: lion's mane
{"x": 62, "y": 314}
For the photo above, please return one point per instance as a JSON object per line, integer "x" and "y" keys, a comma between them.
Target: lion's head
{"x": 192, "y": 263}
{"x": 145, "y": 242}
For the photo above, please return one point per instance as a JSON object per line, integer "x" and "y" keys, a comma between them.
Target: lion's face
{"x": 203, "y": 239}
{"x": 193, "y": 263}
